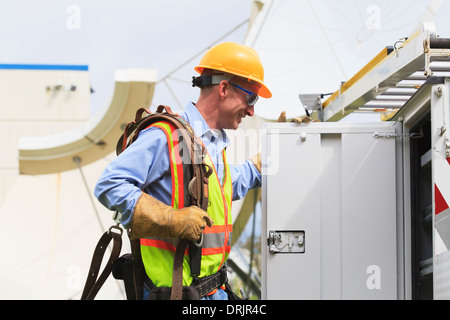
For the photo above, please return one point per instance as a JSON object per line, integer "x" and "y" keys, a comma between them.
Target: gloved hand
{"x": 256, "y": 160}
{"x": 152, "y": 218}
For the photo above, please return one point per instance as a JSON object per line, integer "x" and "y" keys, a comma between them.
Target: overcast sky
{"x": 310, "y": 46}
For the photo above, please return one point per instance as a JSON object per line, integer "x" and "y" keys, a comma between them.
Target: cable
{"x": 330, "y": 45}
{"x": 77, "y": 161}
{"x": 199, "y": 53}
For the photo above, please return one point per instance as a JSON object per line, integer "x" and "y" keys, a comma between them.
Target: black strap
{"x": 139, "y": 273}
{"x": 93, "y": 284}
{"x": 195, "y": 257}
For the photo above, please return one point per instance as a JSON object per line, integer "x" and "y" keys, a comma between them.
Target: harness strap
{"x": 93, "y": 285}
{"x": 177, "y": 275}
{"x": 139, "y": 274}
{"x": 198, "y": 186}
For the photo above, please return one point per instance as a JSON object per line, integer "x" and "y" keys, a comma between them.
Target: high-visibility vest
{"x": 158, "y": 253}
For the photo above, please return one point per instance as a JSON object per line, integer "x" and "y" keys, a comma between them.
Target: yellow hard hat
{"x": 236, "y": 59}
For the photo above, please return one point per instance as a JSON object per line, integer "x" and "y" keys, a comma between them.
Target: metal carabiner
{"x": 199, "y": 242}
{"x": 117, "y": 227}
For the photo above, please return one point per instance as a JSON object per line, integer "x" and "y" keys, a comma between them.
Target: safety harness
{"x": 129, "y": 267}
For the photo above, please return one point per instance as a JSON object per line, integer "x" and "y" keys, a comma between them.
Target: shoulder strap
{"x": 124, "y": 140}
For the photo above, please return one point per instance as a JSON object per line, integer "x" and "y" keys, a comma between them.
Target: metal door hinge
{"x": 388, "y": 135}
{"x": 286, "y": 241}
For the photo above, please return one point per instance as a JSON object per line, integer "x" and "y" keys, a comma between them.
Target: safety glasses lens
{"x": 252, "y": 99}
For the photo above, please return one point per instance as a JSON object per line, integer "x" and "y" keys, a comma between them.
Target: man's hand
{"x": 189, "y": 223}
{"x": 152, "y": 218}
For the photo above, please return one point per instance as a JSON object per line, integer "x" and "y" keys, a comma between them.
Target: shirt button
{"x": 213, "y": 138}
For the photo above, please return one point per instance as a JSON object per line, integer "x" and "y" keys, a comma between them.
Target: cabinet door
{"x": 329, "y": 211}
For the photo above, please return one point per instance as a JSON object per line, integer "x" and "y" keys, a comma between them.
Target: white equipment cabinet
{"x": 329, "y": 211}
{"x": 361, "y": 210}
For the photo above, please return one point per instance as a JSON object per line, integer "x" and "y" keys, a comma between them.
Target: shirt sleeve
{"x": 244, "y": 177}
{"x": 119, "y": 186}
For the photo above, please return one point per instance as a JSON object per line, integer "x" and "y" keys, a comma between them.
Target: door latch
{"x": 286, "y": 242}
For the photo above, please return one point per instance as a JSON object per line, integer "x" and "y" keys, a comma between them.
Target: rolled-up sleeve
{"x": 145, "y": 160}
{"x": 244, "y": 177}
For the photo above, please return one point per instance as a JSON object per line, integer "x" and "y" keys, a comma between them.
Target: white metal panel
{"x": 368, "y": 217}
{"x": 331, "y": 216}
{"x": 335, "y": 182}
{"x": 294, "y": 188}
{"x": 442, "y": 276}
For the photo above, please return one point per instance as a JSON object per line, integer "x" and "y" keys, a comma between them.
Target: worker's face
{"x": 235, "y": 106}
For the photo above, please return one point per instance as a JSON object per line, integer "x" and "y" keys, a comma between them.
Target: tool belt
{"x": 206, "y": 285}
{"x": 200, "y": 287}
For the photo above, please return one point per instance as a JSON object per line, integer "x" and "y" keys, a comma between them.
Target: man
{"x": 140, "y": 182}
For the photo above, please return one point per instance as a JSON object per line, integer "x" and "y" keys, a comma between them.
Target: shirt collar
{"x": 201, "y": 128}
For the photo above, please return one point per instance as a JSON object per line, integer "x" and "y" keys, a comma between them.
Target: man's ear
{"x": 224, "y": 86}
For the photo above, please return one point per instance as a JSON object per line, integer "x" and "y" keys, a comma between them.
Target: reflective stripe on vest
{"x": 158, "y": 253}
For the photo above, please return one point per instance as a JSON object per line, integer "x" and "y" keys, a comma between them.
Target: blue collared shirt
{"x": 145, "y": 166}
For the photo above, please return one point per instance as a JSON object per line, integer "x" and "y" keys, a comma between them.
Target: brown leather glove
{"x": 256, "y": 160}
{"x": 152, "y": 218}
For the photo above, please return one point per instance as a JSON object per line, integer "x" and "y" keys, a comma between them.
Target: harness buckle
{"x": 199, "y": 242}
{"x": 117, "y": 227}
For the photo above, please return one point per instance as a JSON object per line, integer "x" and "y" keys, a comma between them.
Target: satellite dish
{"x": 98, "y": 136}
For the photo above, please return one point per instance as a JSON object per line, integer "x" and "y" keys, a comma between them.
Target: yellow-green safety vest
{"x": 158, "y": 253}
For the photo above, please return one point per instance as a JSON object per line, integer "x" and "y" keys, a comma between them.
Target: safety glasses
{"x": 251, "y": 97}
